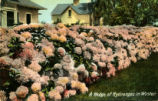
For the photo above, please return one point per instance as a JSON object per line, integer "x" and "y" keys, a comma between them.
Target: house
{"x": 73, "y": 13}
{"x": 14, "y": 12}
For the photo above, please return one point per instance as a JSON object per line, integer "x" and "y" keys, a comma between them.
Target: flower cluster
{"x": 22, "y": 91}
{"x": 78, "y": 85}
{"x": 26, "y": 35}
{"x": 3, "y": 96}
{"x": 26, "y": 26}
{"x": 58, "y": 33}
{"x": 57, "y": 62}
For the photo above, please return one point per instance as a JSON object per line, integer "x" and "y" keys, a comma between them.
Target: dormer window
{"x": 70, "y": 13}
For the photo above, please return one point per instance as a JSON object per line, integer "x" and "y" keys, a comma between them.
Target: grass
{"x": 139, "y": 77}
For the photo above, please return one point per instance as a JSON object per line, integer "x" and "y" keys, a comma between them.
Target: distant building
{"x": 73, "y": 13}
{"x": 14, "y": 12}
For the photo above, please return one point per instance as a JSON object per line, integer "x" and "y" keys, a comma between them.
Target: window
{"x": 28, "y": 18}
{"x": 69, "y": 13}
{"x": 10, "y": 18}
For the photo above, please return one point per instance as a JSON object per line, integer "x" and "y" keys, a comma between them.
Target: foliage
{"x": 14, "y": 46}
{"x": 48, "y": 88}
{"x": 37, "y": 33}
{"x": 10, "y": 83}
{"x": 118, "y": 12}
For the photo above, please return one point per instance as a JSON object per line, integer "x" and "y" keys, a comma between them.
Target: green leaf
{"x": 47, "y": 69}
{"x": 10, "y": 45}
{"x": 6, "y": 83}
{"x": 11, "y": 54}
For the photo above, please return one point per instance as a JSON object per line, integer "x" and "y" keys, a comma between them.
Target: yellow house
{"x": 73, "y": 13}
{"x": 14, "y": 12}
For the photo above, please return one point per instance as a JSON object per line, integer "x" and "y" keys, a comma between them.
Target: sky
{"x": 45, "y": 15}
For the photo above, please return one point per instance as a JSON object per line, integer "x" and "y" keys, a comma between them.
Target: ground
{"x": 139, "y": 77}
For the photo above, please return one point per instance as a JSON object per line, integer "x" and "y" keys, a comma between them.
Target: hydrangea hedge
{"x": 41, "y": 62}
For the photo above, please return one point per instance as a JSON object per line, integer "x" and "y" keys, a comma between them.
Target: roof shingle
{"x": 82, "y": 8}
{"x": 26, "y": 3}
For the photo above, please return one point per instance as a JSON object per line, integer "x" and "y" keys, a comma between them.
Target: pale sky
{"x": 50, "y": 5}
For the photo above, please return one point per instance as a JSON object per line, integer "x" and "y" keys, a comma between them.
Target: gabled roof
{"x": 26, "y": 3}
{"x": 82, "y": 8}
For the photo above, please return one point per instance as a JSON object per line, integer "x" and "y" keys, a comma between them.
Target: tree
{"x": 118, "y": 12}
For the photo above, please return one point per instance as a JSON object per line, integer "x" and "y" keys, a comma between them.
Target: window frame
{"x": 26, "y": 17}
{"x": 10, "y": 18}
{"x": 69, "y": 12}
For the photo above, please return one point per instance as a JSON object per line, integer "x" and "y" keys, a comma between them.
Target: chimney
{"x": 76, "y": 2}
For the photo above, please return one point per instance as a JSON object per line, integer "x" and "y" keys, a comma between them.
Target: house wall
{"x": 22, "y": 14}
{"x": 4, "y": 10}
{"x": 65, "y": 19}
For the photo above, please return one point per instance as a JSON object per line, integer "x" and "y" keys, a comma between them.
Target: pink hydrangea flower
{"x": 79, "y": 42}
{"x": 35, "y": 25}
{"x": 35, "y": 66}
{"x": 26, "y": 35}
{"x": 59, "y": 88}
{"x": 12, "y": 96}
{"x": 43, "y": 80}
{"x": 42, "y": 96}
{"x": 26, "y": 54}
{"x": 62, "y": 31}
{"x": 87, "y": 55}
{"x": 90, "y": 39}
{"x": 111, "y": 70}
{"x": 33, "y": 97}
{"x": 72, "y": 34}
{"x": 78, "y": 85}
{"x": 61, "y": 51}
{"x": 102, "y": 64}
{"x": 58, "y": 66}
{"x": 94, "y": 67}
{"x": 78, "y": 50}
{"x": 72, "y": 92}
{"x": 22, "y": 91}
{"x": 24, "y": 26}
{"x": 27, "y": 74}
{"x": 36, "y": 87}
{"x": 81, "y": 68}
{"x": 62, "y": 38}
{"x": 18, "y": 63}
{"x": 54, "y": 95}
{"x": 48, "y": 51}
{"x": 94, "y": 74}
{"x": 60, "y": 25}
{"x": 66, "y": 94}
{"x": 96, "y": 57}
{"x": 104, "y": 58}
{"x": 54, "y": 37}
{"x": 28, "y": 45}
{"x": 62, "y": 81}
{"x": 74, "y": 75}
